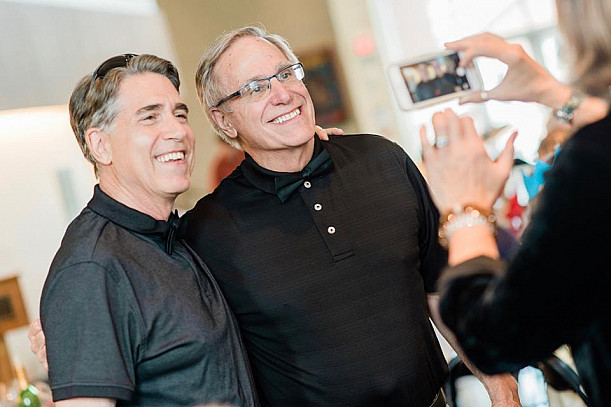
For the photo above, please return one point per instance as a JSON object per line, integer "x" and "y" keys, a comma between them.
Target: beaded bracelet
{"x": 464, "y": 217}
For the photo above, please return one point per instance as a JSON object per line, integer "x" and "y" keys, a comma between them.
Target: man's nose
{"x": 279, "y": 93}
{"x": 176, "y": 128}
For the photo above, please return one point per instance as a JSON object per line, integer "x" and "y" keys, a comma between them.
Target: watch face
{"x": 562, "y": 116}
{"x": 566, "y": 111}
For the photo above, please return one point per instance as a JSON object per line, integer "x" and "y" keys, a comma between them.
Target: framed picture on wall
{"x": 12, "y": 309}
{"x": 322, "y": 82}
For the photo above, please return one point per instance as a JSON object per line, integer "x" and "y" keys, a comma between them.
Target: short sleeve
{"x": 93, "y": 333}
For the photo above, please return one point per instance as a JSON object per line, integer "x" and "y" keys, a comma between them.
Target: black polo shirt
{"x": 131, "y": 314}
{"x": 329, "y": 287}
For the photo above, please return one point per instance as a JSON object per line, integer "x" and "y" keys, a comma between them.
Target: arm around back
{"x": 86, "y": 402}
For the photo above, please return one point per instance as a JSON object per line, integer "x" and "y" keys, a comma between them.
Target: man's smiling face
{"x": 151, "y": 141}
{"x": 281, "y": 120}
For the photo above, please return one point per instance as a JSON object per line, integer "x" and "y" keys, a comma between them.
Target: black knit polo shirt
{"x": 329, "y": 287}
{"x": 129, "y": 317}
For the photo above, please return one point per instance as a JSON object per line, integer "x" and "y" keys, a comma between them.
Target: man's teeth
{"x": 287, "y": 116}
{"x": 170, "y": 157}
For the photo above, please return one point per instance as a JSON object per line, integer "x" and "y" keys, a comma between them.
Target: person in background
{"x": 326, "y": 251}
{"x": 426, "y": 86}
{"x": 556, "y": 289}
{"x": 444, "y": 81}
{"x": 131, "y": 315}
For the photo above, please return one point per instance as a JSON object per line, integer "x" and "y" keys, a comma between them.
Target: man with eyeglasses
{"x": 327, "y": 252}
{"x": 131, "y": 315}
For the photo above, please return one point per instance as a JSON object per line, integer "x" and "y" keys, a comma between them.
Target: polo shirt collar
{"x": 133, "y": 220}
{"x": 264, "y": 179}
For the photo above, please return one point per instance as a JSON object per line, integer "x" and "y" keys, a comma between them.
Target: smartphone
{"x": 432, "y": 78}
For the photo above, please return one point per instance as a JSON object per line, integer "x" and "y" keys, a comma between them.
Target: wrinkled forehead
{"x": 246, "y": 59}
{"x": 144, "y": 89}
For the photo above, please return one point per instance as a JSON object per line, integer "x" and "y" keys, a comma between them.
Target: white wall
{"x": 39, "y": 153}
{"x": 46, "y": 46}
{"x": 407, "y": 28}
{"x": 45, "y": 50}
{"x": 363, "y": 71}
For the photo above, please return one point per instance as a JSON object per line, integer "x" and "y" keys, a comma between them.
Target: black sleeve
{"x": 508, "y": 316}
{"x": 92, "y": 333}
{"x": 432, "y": 256}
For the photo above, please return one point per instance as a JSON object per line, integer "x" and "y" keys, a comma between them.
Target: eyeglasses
{"x": 256, "y": 89}
{"x": 119, "y": 61}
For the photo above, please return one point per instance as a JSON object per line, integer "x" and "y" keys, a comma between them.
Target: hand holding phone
{"x": 432, "y": 78}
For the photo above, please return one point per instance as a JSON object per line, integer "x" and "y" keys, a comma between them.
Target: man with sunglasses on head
{"x": 131, "y": 315}
{"x": 327, "y": 252}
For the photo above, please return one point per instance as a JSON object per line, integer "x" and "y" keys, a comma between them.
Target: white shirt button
{"x": 317, "y": 207}
{"x": 331, "y": 230}
{"x": 307, "y": 184}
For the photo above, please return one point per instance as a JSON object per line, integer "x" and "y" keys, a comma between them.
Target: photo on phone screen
{"x": 433, "y": 78}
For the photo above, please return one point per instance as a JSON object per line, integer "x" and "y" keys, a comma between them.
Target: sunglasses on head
{"x": 119, "y": 61}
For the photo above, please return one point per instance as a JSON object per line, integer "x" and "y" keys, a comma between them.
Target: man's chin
{"x": 177, "y": 188}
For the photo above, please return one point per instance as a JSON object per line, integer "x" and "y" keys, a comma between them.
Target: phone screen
{"x": 434, "y": 77}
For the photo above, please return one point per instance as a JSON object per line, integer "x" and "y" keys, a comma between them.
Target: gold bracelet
{"x": 463, "y": 217}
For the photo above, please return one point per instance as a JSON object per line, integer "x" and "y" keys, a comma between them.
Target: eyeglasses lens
{"x": 259, "y": 88}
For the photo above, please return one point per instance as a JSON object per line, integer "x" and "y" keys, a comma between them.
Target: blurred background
{"x": 346, "y": 46}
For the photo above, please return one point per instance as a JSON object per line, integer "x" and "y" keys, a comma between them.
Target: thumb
{"x": 471, "y": 97}
{"x": 483, "y": 95}
{"x": 426, "y": 146}
{"x": 321, "y": 133}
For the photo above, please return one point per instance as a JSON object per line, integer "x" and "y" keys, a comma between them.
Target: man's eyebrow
{"x": 181, "y": 106}
{"x": 279, "y": 67}
{"x": 157, "y": 106}
{"x": 148, "y": 108}
{"x": 283, "y": 65}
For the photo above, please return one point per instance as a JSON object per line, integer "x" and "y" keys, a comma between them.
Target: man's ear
{"x": 221, "y": 120}
{"x": 99, "y": 145}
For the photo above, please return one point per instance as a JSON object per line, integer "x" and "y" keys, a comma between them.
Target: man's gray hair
{"x": 207, "y": 83}
{"x": 95, "y": 105}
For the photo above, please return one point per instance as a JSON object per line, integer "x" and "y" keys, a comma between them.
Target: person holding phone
{"x": 555, "y": 290}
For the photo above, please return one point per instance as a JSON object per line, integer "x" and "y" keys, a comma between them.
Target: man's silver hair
{"x": 207, "y": 83}
{"x": 96, "y": 105}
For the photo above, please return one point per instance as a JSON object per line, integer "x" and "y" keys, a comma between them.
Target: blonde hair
{"x": 586, "y": 25}
{"x": 95, "y": 105}
{"x": 207, "y": 83}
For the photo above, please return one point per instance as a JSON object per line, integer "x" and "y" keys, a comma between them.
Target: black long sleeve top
{"x": 556, "y": 289}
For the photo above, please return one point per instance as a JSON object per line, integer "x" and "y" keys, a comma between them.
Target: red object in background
{"x": 515, "y": 213}
{"x": 364, "y": 46}
{"x": 226, "y": 160}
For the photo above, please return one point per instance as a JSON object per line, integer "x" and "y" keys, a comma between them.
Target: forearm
{"x": 592, "y": 109}
{"x": 470, "y": 242}
{"x": 86, "y": 402}
{"x": 589, "y": 111}
{"x": 502, "y": 388}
